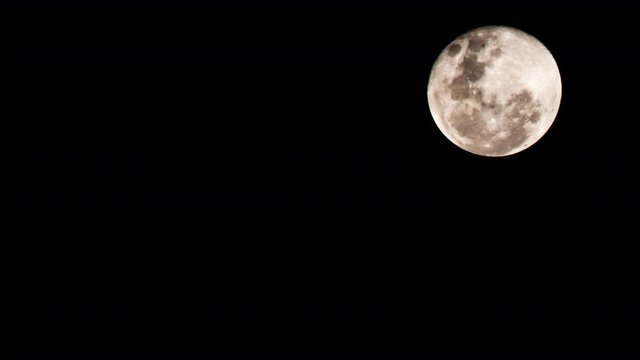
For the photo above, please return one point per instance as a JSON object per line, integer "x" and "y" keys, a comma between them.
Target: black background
{"x": 264, "y": 179}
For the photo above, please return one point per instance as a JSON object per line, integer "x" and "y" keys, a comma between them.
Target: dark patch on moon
{"x": 491, "y": 105}
{"x": 534, "y": 116}
{"x": 516, "y": 137}
{"x": 477, "y": 94}
{"x": 454, "y": 49}
{"x": 520, "y": 109}
{"x": 472, "y": 69}
{"x": 498, "y": 146}
{"x": 477, "y": 42}
{"x": 473, "y": 127}
{"x": 459, "y": 88}
{"x": 469, "y": 125}
{"x": 480, "y": 41}
{"x": 523, "y": 107}
{"x": 531, "y": 115}
{"x": 520, "y": 100}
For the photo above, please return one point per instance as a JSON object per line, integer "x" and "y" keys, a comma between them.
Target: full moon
{"x": 494, "y": 91}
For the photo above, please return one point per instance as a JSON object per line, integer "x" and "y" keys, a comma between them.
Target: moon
{"x": 494, "y": 91}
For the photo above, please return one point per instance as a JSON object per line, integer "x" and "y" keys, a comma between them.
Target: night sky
{"x": 263, "y": 179}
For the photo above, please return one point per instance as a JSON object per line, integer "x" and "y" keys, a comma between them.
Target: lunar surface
{"x": 494, "y": 91}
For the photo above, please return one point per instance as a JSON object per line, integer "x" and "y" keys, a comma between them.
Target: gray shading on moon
{"x": 494, "y": 91}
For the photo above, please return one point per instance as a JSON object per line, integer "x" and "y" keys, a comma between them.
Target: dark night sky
{"x": 241, "y": 175}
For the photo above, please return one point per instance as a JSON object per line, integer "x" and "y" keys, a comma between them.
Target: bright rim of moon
{"x": 494, "y": 91}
